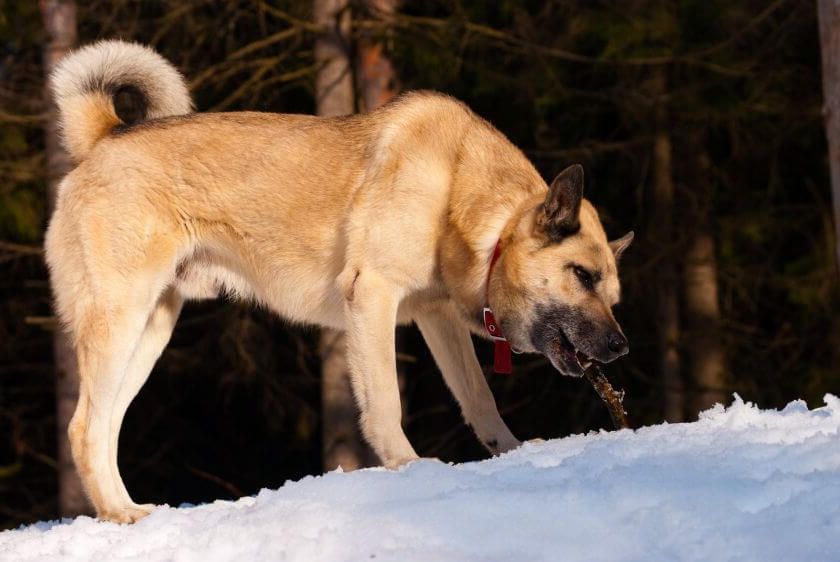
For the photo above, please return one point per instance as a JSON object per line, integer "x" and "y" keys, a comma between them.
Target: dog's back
{"x": 257, "y": 205}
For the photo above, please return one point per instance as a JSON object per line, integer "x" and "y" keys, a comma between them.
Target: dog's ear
{"x": 620, "y": 244}
{"x": 562, "y": 205}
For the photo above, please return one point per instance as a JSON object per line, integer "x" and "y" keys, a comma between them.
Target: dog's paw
{"x": 394, "y": 464}
{"x": 499, "y": 446}
{"x": 128, "y": 514}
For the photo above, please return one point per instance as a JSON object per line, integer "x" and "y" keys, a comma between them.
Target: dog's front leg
{"x": 371, "y": 303}
{"x": 450, "y": 344}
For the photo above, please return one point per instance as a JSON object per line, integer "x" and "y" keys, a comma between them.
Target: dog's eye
{"x": 586, "y": 279}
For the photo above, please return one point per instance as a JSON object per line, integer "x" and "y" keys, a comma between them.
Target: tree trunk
{"x": 705, "y": 350}
{"x": 662, "y": 235}
{"x": 375, "y": 73}
{"x": 706, "y": 359}
{"x": 59, "y": 18}
{"x": 343, "y": 444}
{"x": 334, "y": 82}
{"x": 829, "y": 21}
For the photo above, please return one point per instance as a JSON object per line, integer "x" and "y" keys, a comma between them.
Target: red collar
{"x": 502, "y": 362}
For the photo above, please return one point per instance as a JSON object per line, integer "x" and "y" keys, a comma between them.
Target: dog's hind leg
{"x": 106, "y": 341}
{"x": 155, "y": 336}
{"x": 452, "y": 348}
{"x": 120, "y": 322}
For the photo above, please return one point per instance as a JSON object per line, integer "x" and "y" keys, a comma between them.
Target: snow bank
{"x": 740, "y": 484}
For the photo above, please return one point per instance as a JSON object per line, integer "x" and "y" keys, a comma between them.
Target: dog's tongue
{"x": 569, "y": 355}
{"x": 584, "y": 361}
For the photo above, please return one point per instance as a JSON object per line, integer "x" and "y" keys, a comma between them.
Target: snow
{"x": 739, "y": 484}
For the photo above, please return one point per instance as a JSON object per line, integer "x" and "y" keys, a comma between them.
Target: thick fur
{"x": 85, "y": 84}
{"x": 355, "y": 223}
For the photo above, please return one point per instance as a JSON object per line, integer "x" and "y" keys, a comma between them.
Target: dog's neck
{"x": 467, "y": 250}
{"x": 491, "y": 197}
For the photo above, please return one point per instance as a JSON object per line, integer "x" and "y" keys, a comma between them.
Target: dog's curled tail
{"x": 87, "y": 83}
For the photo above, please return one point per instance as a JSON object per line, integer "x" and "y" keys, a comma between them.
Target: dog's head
{"x": 556, "y": 282}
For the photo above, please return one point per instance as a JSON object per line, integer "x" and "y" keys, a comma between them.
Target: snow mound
{"x": 739, "y": 484}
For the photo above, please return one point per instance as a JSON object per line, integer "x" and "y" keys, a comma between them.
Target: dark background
{"x": 233, "y": 405}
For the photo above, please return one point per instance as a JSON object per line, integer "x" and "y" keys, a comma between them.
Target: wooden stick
{"x": 612, "y": 398}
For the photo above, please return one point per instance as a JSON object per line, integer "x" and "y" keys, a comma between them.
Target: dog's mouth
{"x": 566, "y": 358}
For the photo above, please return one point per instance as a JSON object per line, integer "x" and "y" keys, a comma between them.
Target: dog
{"x": 355, "y": 223}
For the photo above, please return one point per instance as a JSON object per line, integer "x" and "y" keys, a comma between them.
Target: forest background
{"x": 700, "y": 124}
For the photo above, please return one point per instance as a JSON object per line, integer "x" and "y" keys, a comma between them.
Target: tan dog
{"x": 355, "y": 223}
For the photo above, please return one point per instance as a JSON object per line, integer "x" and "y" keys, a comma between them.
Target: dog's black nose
{"x": 617, "y": 343}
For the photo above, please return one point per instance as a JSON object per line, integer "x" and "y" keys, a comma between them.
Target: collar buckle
{"x": 492, "y": 327}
